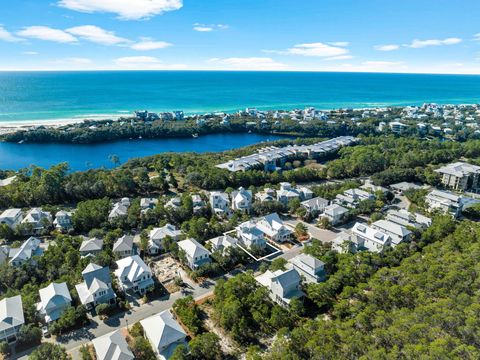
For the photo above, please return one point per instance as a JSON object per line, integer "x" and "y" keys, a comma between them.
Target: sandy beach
{"x": 12, "y": 126}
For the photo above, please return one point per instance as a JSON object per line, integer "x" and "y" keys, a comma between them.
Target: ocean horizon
{"x": 76, "y": 95}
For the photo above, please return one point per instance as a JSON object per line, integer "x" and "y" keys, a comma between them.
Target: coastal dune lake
{"x": 83, "y": 157}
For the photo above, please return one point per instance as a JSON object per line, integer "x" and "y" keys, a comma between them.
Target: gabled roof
{"x": 125, "y": 243}
{"x": 26, "y": 251}
{"x": 223, "y": 241}
{"x": 161, "y": 233}
{"x": 93, "y": 244}
{"x": 307, "y": 263}
{"x": 163, "y": 330}
{"x": 132, "y": 267}
{"x": 271, "y": 225}
{"x": 11, "y": 313}
{"x": 55, "y": 295}
{"x": 391, "y": 228}
{"x": 193, "y": 248}
{"x": 112, "y": 346}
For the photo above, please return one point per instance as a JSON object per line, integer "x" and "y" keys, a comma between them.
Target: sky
{"x": 407, "y": 36}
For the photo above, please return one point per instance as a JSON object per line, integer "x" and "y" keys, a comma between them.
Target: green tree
{"x": 49, "y": 351}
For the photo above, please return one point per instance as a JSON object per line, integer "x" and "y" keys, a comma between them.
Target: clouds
{"x": 145, "y": 63}
{"x": 47, "y": 34}
{"x": 390, "y": 47}
{"x": 8, "y": 36}
{"x": 90, "y": 33}
{"x": 417, "y": 44}
{"x": 209, "y": 28}
{"x": 97, "y": 35}
{"x": 124, "y": 9}
{"x": 147, "y": 44}
{"x": 248, "y": 63}
{"x": 330, "y": 51}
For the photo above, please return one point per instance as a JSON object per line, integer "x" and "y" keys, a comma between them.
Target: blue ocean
{"x": 77, "y": 95}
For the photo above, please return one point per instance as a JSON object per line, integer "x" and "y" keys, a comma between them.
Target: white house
{"x": 266, "y": 195}
{"x": 174, "y": 203}
{"x": 315, "y": 206}
{"x": 29, "y": 248}
{"x": 123, "y": 247}
{"x": 147, "y": 204}
{"x": 119, "y": 209}
{"x": 444, "y": 201}
{"x": 11, "y": 318}
{"x": 197, "y": 203}
{"x": 11, "y": 217}
{"x": 195, "y": 253}
{"x": 398, "y": 233}
{"x": 274, "y": 229}
{"x": 54, "y": 300}
{"x": 242, "y": 200}
{"x": 312, "y": 269}
{"x": 36, "y": 220}
{"x": 134, "y": 275}
{"x": 286, "y": 193}
{"x": 284, "y": 285}
{"x": 91, "y": 247}
{"x": 112, "y": 346}
{"x": 221, "y": 243}
{"x": 460, "y": 176}
{"x": 335, "y": 213}
{"x": 157, "y": 235}
{"x": 164, "y": 334}
{"x": 96, "y": 287}
{"x": 219, "y": 202}
{"x": 405, "y": 218}
{"x": 63, "y": 220}
{"x": 370, "y": 238}
{"x": 250, "y": 235}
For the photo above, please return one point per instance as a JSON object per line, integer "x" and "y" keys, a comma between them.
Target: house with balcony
{"x": 157, "y": 235}
{"x": 96, "y": 287}
{"x": 283, "y": 285}
{"x": 242, "y": 200}
{"x": 309, "y": 267}
{"x": 11, "y": 318}
{"x": 195, "y": 253}
{"x": 273, "y": 228}
{"x": 63, "y": 220}
{"x": 460, "y": 176}
{"x": 250, "y": 236}
{"x": 123, "y": 247}
{"x": 164, "y": 334}
{"x": 220, "y": 203}
{"x": 133, "y": 275}
{"x": 370, "y": 238}
{"x": 54, "y": 300}
{"x": 11, "y": 218}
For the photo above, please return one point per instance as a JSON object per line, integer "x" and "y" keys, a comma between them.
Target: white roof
{"x": 163, "y": 232}
{"x": 163, "y": 330}
{"x": 55, "y": 295}
{"x": 11, "y": 313}
{"x": 193, "y": 248}
{"x": 7, "y": 181}
{"x": 334, "y": 210}
{"x": 93, "y": 244}
{"x": 459, "y": 169}
{"x": 10, "y": 213}
{"x": 370, "y": 233}
{"x": 271, "y": 225}
{"x": 25, "y": 251}
{"x": 307, "y": 263}
{"x": 112, "y": 346}
{"x": 390, "y": 227}
{"x": 125, "y": 243}
{"x": 132, "y": 267}
{"x": 223, "y": 241}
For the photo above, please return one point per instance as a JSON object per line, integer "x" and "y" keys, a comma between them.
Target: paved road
{"x": 315, "y": 232}
{"x": 74, "y": 340}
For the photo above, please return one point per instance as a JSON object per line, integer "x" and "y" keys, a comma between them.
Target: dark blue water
{"x": 83, "y": 157}
{"x": 66, "y": 95}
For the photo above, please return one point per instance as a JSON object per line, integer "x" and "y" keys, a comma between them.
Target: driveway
{"x": 313, "y": 231}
